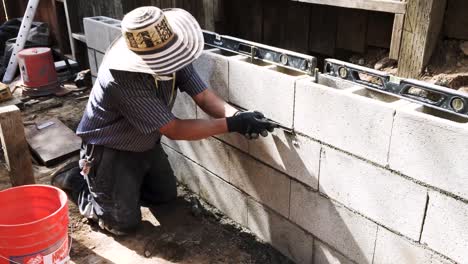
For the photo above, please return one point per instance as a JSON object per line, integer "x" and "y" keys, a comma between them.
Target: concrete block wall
{"x": 359, "y": 177}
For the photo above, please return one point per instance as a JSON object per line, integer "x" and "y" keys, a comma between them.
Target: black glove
{"x": 250, "y": 124}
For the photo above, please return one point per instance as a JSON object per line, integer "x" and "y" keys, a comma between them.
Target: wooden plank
{"x": 296, "y": 34}
{"x": 352, "y": 30}
{"x": 379, "y": 29}
{"x": 244, "y": 19}
{"x": 52, "y": 143}
{"x": 14, "y": 146}
{"x": 396, "y": 36}
{"x": 456, "y": 20}
{"x": 208, "y": 14}
{"x": 390, "y": 6}
{"x": 323, "y": 26}
{"x": 421, "y": 30}
{"x": 219, "y": 16}
{"x": 167, "y": 3}
{"x": 272, "y": 26}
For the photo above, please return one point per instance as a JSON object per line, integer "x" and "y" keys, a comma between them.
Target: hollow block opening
{"x": 442, "y": 114}
{"x": 376, "y": 95}
{"x": 287, "y": 71}
{"x": 224, "y": 52}
{"x": 335, "y": 83}
{"x": 255, "y": 61}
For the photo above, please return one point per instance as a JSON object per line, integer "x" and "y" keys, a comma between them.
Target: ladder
{"x": 20, "y": 40}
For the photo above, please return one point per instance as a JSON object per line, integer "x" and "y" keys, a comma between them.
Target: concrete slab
{"x": 280, "y": 233}
{"x": 385, "y": 197}
{"x": 392, "y": 248}
{"x": 431, "y": 147}
{"x": 255, "y": 87}
{"x": 337, "y": 226}
{"x": 326, "y": 255}
{"x": 212, "y": 67}
{"x": 100, "y": 32}
{"x": 266, "y": 185}
{"x": 445, "y": 227}
{"x": 295, "y": 155}
{"x": 347, "y": 119}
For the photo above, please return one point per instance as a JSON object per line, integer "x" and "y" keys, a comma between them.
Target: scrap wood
{"x": 51, "y": 141}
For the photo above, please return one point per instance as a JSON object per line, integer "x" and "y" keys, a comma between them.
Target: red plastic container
{"x": 37, "y": 67}
{"x": 33, "y": 225}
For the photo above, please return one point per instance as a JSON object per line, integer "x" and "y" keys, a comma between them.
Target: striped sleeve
{"x": 140, "y": 105}
{"x": 189, "y": 81}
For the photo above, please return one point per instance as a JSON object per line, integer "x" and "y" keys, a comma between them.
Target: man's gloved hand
{"x": 251, "y": 124}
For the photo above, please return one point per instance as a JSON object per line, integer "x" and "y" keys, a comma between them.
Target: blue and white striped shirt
{"x": 126, "y": 109}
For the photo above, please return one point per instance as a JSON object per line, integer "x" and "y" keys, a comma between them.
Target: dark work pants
{"x": 119, "y": 182}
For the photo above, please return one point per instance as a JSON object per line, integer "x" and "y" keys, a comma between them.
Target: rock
{"x": 384, "y": 63}
{"x": 463, "y": 89}
{"x": 464, "y": 47}
{"x": 361, "y": 61}
{"x": 148, "y": 253}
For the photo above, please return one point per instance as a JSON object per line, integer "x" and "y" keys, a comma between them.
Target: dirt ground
{"x": 184, "y": 231}
{"x": 448, "y": 66}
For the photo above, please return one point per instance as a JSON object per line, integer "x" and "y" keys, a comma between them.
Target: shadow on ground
{"x": 173, "y": 233}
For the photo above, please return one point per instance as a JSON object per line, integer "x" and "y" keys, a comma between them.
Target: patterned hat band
{"x": 153, "y": 37}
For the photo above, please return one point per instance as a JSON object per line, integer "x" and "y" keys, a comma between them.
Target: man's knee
{"x": 121, "y": 221}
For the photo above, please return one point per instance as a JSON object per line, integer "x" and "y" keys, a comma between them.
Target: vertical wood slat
{"x": 397, "y": 33}
{"x": 352, "y": 30}
{"x": 208, "y": 14}
{"x": 15, "y": 147}
{"x": 323, "y": 28}
{"x": 245, "y": 19}
{"x": 422, "y": 27}
{"x": 379, "y": 26}
{"x": 456, "y": 19}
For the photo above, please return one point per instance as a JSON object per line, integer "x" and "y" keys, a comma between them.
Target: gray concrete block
{"x": 187, "y": 172}
{"x": 263, "y": 183}
{"x": 92, "y": 62}
{"x": 234, "y": 139}
{"x": 445, "y": 229}
{"x": 385, "y": 197}
{"x": 99, "y": 58}
{"x": 333, "y": 224}
{"x": 224, "y": 196}
{"x": 210, "y": 153}
{"x": 326, "y": 255}
{"x": 295, "y": 155}
{"x": 431, "y": 147}
{"x": 264, "y": 89}
{"x": 280, "y": 233}
{"x": 347, "y": 119}
{"x": 184, "y": 106}
{"x": 100, "y": 32}
{"x": 392, "y": 248}
{"x": 213, "y": 69}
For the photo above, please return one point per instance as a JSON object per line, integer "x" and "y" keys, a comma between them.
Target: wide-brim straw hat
{"x": 155, "y": 41}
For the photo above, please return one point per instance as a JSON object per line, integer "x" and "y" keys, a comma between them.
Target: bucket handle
{"x": 65, "y": 260}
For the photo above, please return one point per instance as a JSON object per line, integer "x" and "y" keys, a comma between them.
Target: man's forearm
{"x": 214, "y": 106}
{"x": 194, "y": 129}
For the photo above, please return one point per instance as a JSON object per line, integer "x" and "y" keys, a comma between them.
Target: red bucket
{"x": 33, "y": 225}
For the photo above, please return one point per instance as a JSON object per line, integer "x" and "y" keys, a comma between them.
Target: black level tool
{"x": 424, "y": 93}
{"x": 256, "y": 51}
